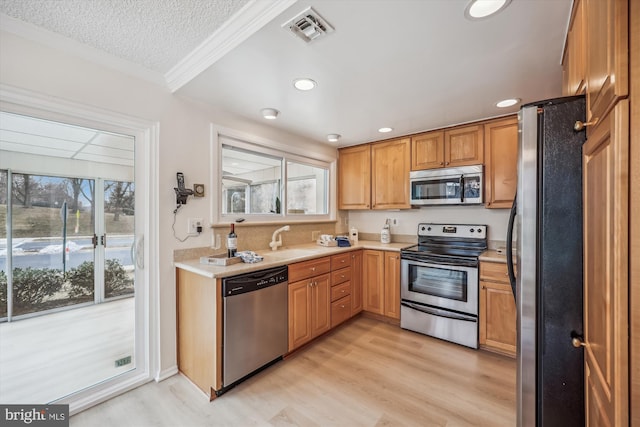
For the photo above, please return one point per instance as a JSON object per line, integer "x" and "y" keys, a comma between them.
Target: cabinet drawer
{"x": 494, "y": 271}
{"x": 340, "y": 276}
{"x": 340, "y": 291}
{"x": 341, "y": 261}
{"x": 340, "y": 310}
{"x": 306, "y": 269}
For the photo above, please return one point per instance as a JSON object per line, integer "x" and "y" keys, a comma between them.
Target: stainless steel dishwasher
{"x": 255, "y": 322}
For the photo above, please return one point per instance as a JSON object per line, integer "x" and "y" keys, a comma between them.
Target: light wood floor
{"x": 48, "y": 357}
{"x": 365, "y": 373}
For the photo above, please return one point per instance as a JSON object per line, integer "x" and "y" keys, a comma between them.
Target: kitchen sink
{"x": 290, "y": 253}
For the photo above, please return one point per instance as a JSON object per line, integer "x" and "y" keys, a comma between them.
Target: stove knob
{"x": 429, "y": 229}
{"x": 472, "y": 230}
{"x": 479, "y": 230}
{"x": 422, "y": 228}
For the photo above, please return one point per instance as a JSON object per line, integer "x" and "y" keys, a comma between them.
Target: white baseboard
{"x": 164, "y": 374}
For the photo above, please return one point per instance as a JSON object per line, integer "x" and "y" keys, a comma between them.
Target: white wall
{"x": 408, "y": 220}
{"x": 184, "y": 142}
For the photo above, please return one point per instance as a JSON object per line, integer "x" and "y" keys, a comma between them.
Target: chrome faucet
{"x": 275, "y": 243}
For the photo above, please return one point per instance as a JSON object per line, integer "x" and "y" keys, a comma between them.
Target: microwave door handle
{"x": 461, "y": 183}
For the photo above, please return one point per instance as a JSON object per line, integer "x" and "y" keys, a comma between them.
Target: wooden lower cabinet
{"x": 606, "y": 269}
{"x": 392, "y": 285}
{"x": 497, "y": 314}
{"x": 327, "y": 291}
{"x": 372, "y": 281}
{"x": 199, "y": 321}
{"x": 356, "y": 282}
{"x": 309, "y": 310}
{"x": 309, "y": 301}
{"x": 381, "y": 282}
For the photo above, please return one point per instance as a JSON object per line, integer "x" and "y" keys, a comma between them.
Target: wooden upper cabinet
{"x": 427, "y": 150}
{"x": 500, "y": 167}
{"x": 574, "y": 60}
{"x": 459, "y": 146}
{"x": 354, "y": 177}
{"x": 463, "y": 146}
{"x": 390, "y": 165}
{"x": 607, "y": 55}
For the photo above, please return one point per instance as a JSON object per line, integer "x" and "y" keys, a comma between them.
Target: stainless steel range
{"x": 439, "y": 282}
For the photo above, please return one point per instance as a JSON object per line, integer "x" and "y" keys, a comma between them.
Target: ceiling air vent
{"x": 308, "y": 25}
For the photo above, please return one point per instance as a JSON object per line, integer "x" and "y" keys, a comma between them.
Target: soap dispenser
{"x": 385, "y": 234}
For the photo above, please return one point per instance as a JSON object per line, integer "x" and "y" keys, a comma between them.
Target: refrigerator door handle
{"x": 512, "y": 276}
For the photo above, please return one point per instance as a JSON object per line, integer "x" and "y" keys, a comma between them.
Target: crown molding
{"x": 57, "y": 41}
{"x": 242, "y": 25}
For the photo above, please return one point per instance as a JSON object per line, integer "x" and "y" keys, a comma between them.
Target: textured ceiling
{"x": 154, "y": 33}
{"x": 413, "y": 65}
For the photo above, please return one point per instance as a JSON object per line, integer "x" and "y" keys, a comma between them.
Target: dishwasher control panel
{"x": 254, "y": 281}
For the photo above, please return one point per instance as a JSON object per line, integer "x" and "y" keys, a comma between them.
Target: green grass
{"x": 45, "y": 222}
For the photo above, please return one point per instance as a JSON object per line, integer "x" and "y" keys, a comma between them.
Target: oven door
{"x": 446, "y": 187}
{"x": 439, "y": 285}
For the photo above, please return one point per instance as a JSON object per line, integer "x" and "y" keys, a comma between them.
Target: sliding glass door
{"x": 67, "y": 271}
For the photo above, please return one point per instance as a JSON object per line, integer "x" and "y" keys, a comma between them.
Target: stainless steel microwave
{"x": 451, "y": 186}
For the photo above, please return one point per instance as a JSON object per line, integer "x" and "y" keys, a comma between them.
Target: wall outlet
{"x": 394, "y": 222}
{"x": 193, "y": 224}
{"x": 315, "y": 235}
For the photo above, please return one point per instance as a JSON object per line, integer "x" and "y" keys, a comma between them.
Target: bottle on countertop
{"x": 385, "y": 234}
{"x": 353, "y": 235}
{"x": 232, "y": 242}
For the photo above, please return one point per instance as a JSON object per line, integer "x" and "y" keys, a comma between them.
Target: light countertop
{"x": 493, "y": 256}
{"x": 283, "y": 256}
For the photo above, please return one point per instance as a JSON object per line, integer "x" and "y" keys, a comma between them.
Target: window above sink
{"x": 262, "y": 184}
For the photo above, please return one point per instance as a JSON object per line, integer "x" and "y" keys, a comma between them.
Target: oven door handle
{"x": 440, "y": 313}
{"x": 461, "y": 183}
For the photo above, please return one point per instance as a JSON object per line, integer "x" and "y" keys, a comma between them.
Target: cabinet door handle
{"x": 578, "y": 126}
{"x": 313, "y": 269}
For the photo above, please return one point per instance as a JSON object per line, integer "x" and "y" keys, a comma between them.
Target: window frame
{"x": 223, "y": 136}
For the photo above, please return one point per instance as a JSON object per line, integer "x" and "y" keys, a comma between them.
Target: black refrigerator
{"x": 546, "y": 221}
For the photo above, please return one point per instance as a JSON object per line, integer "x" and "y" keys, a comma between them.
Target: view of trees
{"x": 36, "y": 216}
{"x": 44, "y": 191}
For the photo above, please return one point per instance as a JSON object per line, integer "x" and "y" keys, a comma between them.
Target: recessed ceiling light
{"x": 304, "y": 84}
{"x": 507, "y": 102}
{"x": 479, "y": 9}
{"x": 269, "y": 113}
{"x": 333, "y": 137}
{"x": 385, "y": 130}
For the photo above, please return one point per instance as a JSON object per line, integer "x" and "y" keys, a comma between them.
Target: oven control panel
{"x": 457, "y": 230}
